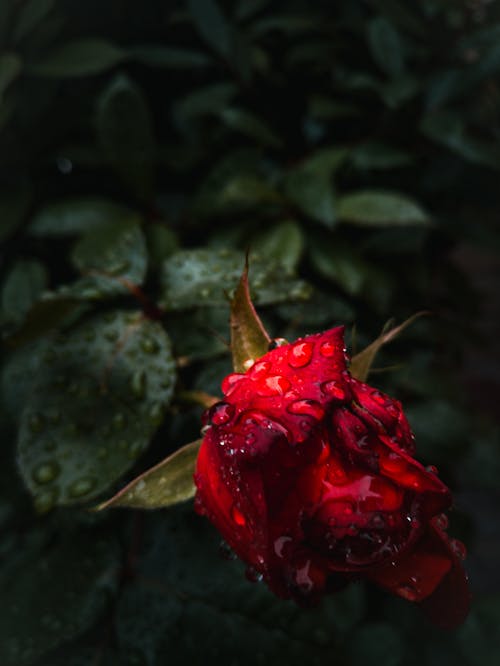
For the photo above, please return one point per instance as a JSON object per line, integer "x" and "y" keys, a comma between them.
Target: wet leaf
{"x": 54, "y": 594}
{"x": 204, "y": 277}
{"x": 71, "y": 217}
{"x": 249, "y": 339}
{"x": 169, "y": 482}
{"x": 283, "y": 243}
{"x": 362, "y": 362}
{"x": 380, "y": 208}
{"x": 83, "y": 57}
{"x": 96, "y": 400}
{"x": 23, "y": 285}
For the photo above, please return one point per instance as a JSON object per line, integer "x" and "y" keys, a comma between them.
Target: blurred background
{"x": 354, "y": 148}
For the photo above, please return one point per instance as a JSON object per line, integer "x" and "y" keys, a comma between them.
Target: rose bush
{"x": 308, "y": 474}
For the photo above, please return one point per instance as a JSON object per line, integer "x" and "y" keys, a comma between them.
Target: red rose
{"x": 309, "y": 476}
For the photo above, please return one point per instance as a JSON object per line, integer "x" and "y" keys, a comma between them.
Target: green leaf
{"x": 250, "y": 125}
{"x": 386, "y": 47}
{"x": 30, "y": 15}
{"x": 83, "y": 57}
{"x": 283, "y": 243}
{"x": 14, "y": 204}
{"x": 55, "y": 592}
{"x": 154, "y": 55}
{"x": 169, "y": 482}
{"x": 249, "y": 338}
{"x": 97, "y": 399}
{"x": 449, "y": 129}
{"x": 339, "y": 263}
{"x": 200, "y": 277}
{"x": 380, "y": 208}
{"x": 22, "y": 287}
{"x": 125, "y": 133}
{"x": 310, "y": 185}
{"x": 375, "y": 643}
{"x": 375, "y": 155}
{"x": 10, "y": 68}
{"x": 70, "y": 217}
{"x": 362, "y": 362}
{"x": 212, "y": 25}
{"x": 112, "y": 260}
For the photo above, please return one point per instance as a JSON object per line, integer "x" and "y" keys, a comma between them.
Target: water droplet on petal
{"x": 277, "y": 342}
{"x": 407, "y": 591}
{"x": 46, "y": 472}
{"x": 333, "y": 389}
{"x": 432, "y": 469}
{"x": 238, "y": 517}
{"x": 81, "y": 487}
{"x": 276, "y": 385}
{"x": 307, "y": 407}
{"x": 300, "y": 354}
{"x": 328, "y": 349}
{"x": 280, "y": 544}
{"x": 220, "y": 413}
{"x": 259, "y": 369}
{"x": 230, "y": 382}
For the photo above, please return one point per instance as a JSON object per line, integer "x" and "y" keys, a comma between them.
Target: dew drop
{"x": 221, "y": 413}
{"x": 280, "y": 544}
{"x": 333, "y": 389}
{"x": 407, "y": 591}
{"x": 432, "y": 469}
{"x": 307, "y": 407}
{"x": 259, "y": 369}
{"x": 300, "y": 354}
{"x": 328, "y": 349}
{"x": 238, "y": 517}
{"x": 45, "y": 501}
{"x": 275, "y": 385}
{"x": 149, "y": 346}
{"x": 119, "y": 420}
{"x": 230, "y": 382}
{"x": 378, "y": 521}
{"x": 138, "y": 383}
{"x": 352, "y": 530}
{"x": 277, "y": 342}
{"x": 81, "y": 487}
{"x": 46, "y": 472}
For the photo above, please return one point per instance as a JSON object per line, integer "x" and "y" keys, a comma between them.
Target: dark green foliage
{"x": 353, "y": 150}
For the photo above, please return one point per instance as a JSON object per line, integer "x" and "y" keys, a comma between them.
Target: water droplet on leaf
{"x": 46, "y": 472}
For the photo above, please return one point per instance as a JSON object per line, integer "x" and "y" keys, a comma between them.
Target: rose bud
{"x": 308, "y": 474}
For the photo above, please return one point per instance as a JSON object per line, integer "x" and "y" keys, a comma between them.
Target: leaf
{"x": 201, "y": 277}
{"x": 375, "y": 643}
{"x": 249, "y": 339}
{"x": 339, "y": 263}
{"x": 380, "y": 208}
{"x": 250, "y": 125}
{"x": 54, "y": 592}
{"x": 83, "y": 57}
{"x": 386, "y": 47}
{"x": 14, "y": 204}
{"x": 362, "y": 362}
{"x": 375, "y": 155}
{"x": 154, "y": 55}
{"x": 10, "y": 68}
{"x": 70, "y": 217}
{"x": 30, "y": 15}
{"x": 125, "y": 133}
{"x": 310, "y": 185}
{"x": 22, "y": 287}
{"x": 97, "y": 398}
{"x": 283, "y": 243}
{"x": 212, "y": 25}
{"x": 112, "y": 260}
{"x": 167, "y": 483}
